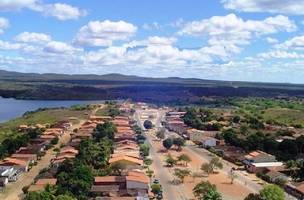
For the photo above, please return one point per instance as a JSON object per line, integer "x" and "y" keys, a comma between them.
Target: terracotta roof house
{"x": 100, "y": 118}
{"x": 46, "y": 181}
{"x": 121, "y": 118}
{"x": 41, "y": 184}
{"x": 69, "y": 149}
{"x": 48, "y": 137}
{"x": 133, "y": 184}
{"x": 31, "y": 157}
{"x": 36, "y": 188}
{"x": 127, "y": 147}
{"x": 134, "y": 154}
{"x": 120, "y": 137}
{"x": 123, "y": 142}
{"x": 21, "y": 165}
{"x": 126, "y": 160}
{"x": 121, "y": 123}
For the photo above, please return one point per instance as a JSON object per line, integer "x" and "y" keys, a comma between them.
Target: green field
{"x": 285, "y": 116}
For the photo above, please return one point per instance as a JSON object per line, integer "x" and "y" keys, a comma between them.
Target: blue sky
{"x": 240, "y": 40}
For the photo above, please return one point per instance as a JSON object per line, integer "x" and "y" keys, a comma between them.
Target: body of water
{"x": 12, "y": 108}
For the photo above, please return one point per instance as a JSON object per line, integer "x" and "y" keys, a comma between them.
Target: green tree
{"x": 144, "y": 149}
{"x": 148, "y": 161}
{"x": 206, "y": 191}
{"x": 76, "y": 181}
{"x": 148, "y": 124}
{"x": 182, "y": 174}
{"x": 236, "y": 119}
{"x": 95, "y": 154}
{"x": 214, "y": 164}
{"x": 272, "y": 192}
{"x": 212, "y": 194}
{"x": 65, "y": 197}
{"x": 184, "y": 158}
{"x": 206, "y": 167}
{"x": 150, "y": 173}
{"x": 106, "y": 130}
{"x": 170, "y": 161}
{"x": 179, "y": 142}
{"x": 167, "y": 143}
{"x": 252, "y": 196}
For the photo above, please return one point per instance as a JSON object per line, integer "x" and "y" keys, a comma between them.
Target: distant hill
{"x": 112, "y": 86}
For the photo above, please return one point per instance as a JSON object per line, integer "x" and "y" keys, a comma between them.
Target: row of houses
{"x": 25, "y": 157}
{"x": 174, "y": 122}
{"x": 132, "y": 182}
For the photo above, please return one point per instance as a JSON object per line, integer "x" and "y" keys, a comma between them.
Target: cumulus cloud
{"x": 4, "y": 45}
{"x": 7, "y": 5}
{"x": 227, "y": 34}
{"x": 233, "y": 25}
{"x": 295, "y": 43}
{"x": 28, "y": 37}
{"x": 104, "y": 33}
{"x": 293, "y": 7}
{"x": 61, "y": 11}
{"x": 4, "y": 24}
{"x": 56, "y": 47}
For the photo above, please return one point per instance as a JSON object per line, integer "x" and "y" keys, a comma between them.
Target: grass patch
{"x": 49, "y": 116}
{"x": 284, "y": 116}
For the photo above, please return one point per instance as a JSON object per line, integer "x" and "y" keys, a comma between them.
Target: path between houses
{"x": 13, "y": 191}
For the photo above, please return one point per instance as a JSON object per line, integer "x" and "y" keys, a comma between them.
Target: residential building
{"x": 258, "y": 161}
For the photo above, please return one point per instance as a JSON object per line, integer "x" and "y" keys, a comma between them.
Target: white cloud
{"x": 155, "y": 40}
{"x": 28, "y": 37}
{"x": 233, "y": 25}
{"x": 61, "y": 11}
{"x": 227, "y": 34}
{"x": 104, "y": 33}
{"x": 56, "y": 47}
{"x": 7, "y": 5}
{"x": 4, "y": 45}
{"x": 296, "y": 43}
{"x": 4, "y": 24}
{"x": 293, "y": 7}
{"x": 154, "y": 54}
{"x": 280, "y": 55}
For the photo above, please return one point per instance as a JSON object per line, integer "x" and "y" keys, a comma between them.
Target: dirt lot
{"x": 229, "y": 191}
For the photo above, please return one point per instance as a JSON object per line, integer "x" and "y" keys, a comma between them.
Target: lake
{"x": 12, "y": 108}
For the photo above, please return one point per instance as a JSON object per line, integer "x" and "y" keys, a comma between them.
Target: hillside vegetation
{"x": 116, "y": 86}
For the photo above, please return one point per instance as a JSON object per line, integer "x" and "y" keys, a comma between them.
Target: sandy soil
{"x": 229, "y": 191}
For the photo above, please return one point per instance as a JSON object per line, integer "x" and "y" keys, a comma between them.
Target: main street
{"x": 170, "y": 191}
